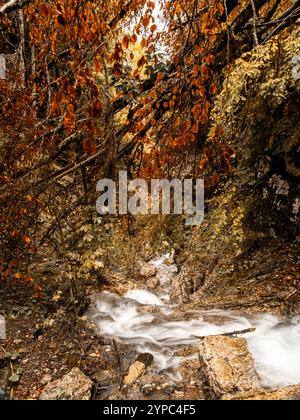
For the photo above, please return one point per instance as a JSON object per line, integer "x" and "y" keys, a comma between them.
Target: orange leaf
{"x": 70, "y": 118}
{"x": 89, "y": 147}
{"x": 214, "y": 180}
{"x": 203, "y": 164}
{"x": 177, "y": 9}
{"x": 142, "y": 61}
{"x": 133, "y": 39}
{"x": 125, "y": 42}
{"x": 195, "y": 128}
{"x": 26, "y": 240}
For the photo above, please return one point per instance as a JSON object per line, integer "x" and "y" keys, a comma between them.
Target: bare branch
{"x": 12, "y": 5}
{"x": 229, "y": 334}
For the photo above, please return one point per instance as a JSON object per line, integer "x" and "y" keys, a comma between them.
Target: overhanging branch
{"x": 12, "y": 5}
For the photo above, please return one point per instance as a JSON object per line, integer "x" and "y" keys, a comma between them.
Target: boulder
{"x": 73, "y": 386}
{"x": 290, "y": 393}
{"x": 138, "y": 368}
{"x": 228, "y": 365}
{"x": 147, "y": 271}
{"x": 153, "y": 283}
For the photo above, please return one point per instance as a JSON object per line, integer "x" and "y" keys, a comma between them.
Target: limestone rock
{"x": 148, "y": 271}
{"x": 228, "y": 365}
{"x": 290, "y": 393}
{"x": 138, "y": 368}
{"x": 73, "y": 386}
{"x": 153, "y": 283}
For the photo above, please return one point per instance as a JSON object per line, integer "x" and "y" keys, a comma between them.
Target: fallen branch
{"x": 229, "y": 334}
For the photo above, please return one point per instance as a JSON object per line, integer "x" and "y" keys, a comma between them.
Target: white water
{"x": 151, "y": 324}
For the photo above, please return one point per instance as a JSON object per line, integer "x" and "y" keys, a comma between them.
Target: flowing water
{"x": 150, "y": 323}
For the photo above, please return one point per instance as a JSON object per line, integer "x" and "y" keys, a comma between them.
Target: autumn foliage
{"x": 93, "y": 85}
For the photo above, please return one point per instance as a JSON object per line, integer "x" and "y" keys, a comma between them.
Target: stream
{"x": 150, "y": 323}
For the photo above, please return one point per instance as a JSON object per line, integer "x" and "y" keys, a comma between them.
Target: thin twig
{"x": 254, "y": 23}
{"x": 117, "y": 352}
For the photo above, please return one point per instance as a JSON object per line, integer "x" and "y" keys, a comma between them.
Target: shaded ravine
{"x": 150, "y": 323}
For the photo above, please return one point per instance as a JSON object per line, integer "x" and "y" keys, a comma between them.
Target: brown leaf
{"x": 89, "y": 147}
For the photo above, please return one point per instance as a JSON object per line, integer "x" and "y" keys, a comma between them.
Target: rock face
{"x": 289, "y": 393}
{"x": 228, "y": 365}
{"x": 184, "y": 285}
{"x": 73, "y": 386}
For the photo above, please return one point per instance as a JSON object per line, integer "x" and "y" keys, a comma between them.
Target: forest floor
{"x": 40, "y": 343}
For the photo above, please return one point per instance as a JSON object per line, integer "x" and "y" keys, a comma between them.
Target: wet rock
{"x": 153, "y": 283}
{"x": 149, "y": 309}
{"x": 149, "y": 389}
{"x": 157, "y": 387}
{"x": 106, "y": 384}
{"x": 217, "y": 319}
{"x": 185, "y": 285}
{"x": 148, "y": 271}
{"x": 228, "y": 365}
{"x": 135, "y": 371}
{"x": 289, "y": 393}
{"x": 73, "y": 386}
{"x": 189, "y": 370}
{"x": 138, "y": 368}
{"x": 145, "y": 358}
{"x": 104, "y": 378}
{"x": 168, "y": 389}
{"x": 186, "y": 351}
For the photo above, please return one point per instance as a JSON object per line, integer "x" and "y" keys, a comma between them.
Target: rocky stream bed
{"x": 165, "y": 352}
{"x": 138, "y": 342}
